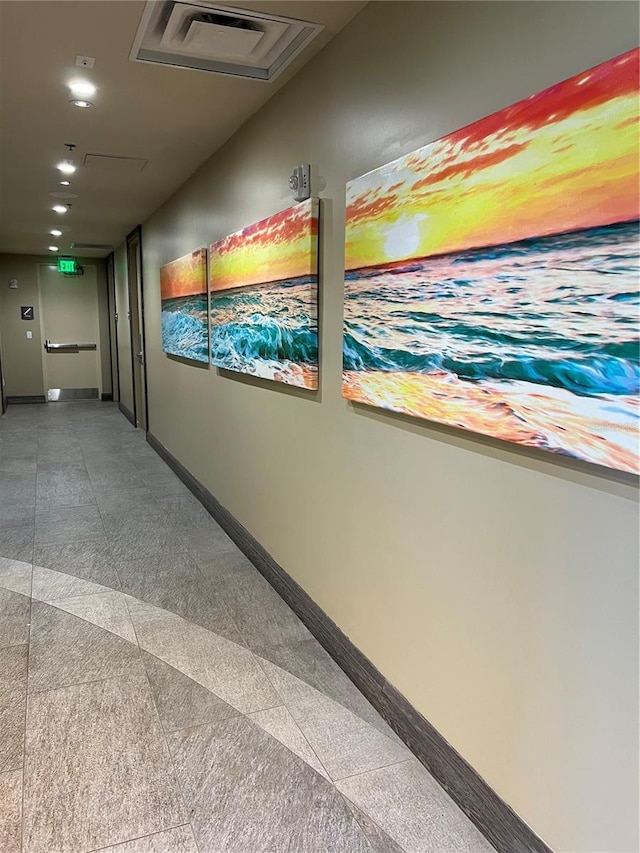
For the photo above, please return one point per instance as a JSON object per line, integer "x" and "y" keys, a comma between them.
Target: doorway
{"x": 71, "y": 358}
{"x": 136, "y": 324}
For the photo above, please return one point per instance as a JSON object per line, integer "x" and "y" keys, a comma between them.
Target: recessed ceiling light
{"x": 82, "y": 89}
{"x": 53, "y": 248}
{"x": 65, "y": 183}
{"x": 80, "y": 102}
{"x": 60, "y": 208}
{"x": 66, "y": 167}
{"x": 56, "y": 233}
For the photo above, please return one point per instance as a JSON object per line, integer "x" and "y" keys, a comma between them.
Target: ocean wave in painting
{"x": 267, "y": 330}
{"x": 184, "y": 327}
{"x": 534, "y": 341}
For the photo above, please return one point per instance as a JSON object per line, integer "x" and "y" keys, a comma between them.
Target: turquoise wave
{"x": 234, "y": 345}
{"x": 185, "y": 335}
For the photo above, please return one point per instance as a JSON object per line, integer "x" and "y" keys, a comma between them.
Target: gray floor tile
{"x": 10, "y": 811}
{"x": 107, "y": 610}
{"x": 310, "y": 663}
{"x": 16, "y": 542}
{"x": 226, "y": 669}
{"x": 181, "y": 702}
{"x": 97, "y": 771}
{"x": 249, "y": 793}
{"x": 68, "y": 524}
{"x": 18, "y": 489}
{"x": 13, "y": 690}
{"x": 409, "y": 806}
{"x": 64, "y": 490}
{"x": 14, "y": 515}
{"x": 112, "y": 478}
{"x": 178, "y": 840}
{"x": 14, "y": 618}
{"x": 15, "y": 576}
{"x": 67, "y": 650}
{"x": 342, "y": 741}
{"x": 11, "y": 465}
{"x": 261, "y": 615}
{"x": 49, "y": 585}
{"x": 91, "y": 560}
{"x": 174, "y": 583}
{"x": 279, "y": 723}
{"x": 380, "y": 842}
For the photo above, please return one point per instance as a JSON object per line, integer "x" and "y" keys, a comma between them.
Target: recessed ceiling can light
{"x": 60, "y": 208}
{"x": 65, "y": 183}
{"x": 66, "y": 167}
{"x": 55, "y": 233}
{"x": 80, "y": 102}
{"x": 82, "y": 89}
{"x": 53, "y": 248}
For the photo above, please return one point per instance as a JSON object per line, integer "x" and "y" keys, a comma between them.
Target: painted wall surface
{"x": 496, "y": 587}
{"x": 123, "y": 331}
{"x": 22, "y": 357}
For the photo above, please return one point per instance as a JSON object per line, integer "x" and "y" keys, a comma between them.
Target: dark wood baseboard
{"x": 128, "y": 415}
{"x": 26, "y": 398}
{"x": 106, "y": 398}
{"x": 494, "y": 818}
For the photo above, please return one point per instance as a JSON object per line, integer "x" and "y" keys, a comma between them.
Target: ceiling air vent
{"x": 92, "y": 247}
{"x": 220, "y": 39}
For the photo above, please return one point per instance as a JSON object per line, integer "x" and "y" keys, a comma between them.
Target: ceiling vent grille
{"x": 220, "y": 39}
{"x": 92, "y": 247}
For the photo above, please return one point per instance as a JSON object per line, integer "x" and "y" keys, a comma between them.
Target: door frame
{"x": 3, "y": 396}
{"x": 114, "y": 363}
{"x": 134, "y": 243}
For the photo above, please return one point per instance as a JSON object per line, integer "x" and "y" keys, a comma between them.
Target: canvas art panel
{"x": 183, "y": 296}
{"x": 492, "y": 276}
{"x": 264, "y": 298}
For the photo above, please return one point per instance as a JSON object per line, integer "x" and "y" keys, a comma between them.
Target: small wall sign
{"x": 26, "y": 312}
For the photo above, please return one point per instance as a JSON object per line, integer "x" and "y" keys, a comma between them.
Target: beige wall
{"x": 23, "y": 358}
{"x": 125, "y": 378}
{"x": 497, "y": 589}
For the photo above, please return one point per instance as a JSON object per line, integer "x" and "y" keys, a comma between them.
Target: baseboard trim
{"x": 26, "y": 398}
{"x": 494, "y": 818}
{"x": 128, "y": 415}
{"x": 106, "y": 398}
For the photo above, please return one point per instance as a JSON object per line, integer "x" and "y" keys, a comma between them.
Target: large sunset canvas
{"x": 183, "y": 295}
{"x": 264, "y": 298}
{"x": 492, "y": 276}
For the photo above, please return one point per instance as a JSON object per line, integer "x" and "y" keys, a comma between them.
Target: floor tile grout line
{"x": 140, "y": 837}
{"x": 375, "y": 769}
{"x": 164, "y": 735}
{"x": 26, "y": 715}
{"x": 286, "y": 705}
{"x": 374, "y": 822}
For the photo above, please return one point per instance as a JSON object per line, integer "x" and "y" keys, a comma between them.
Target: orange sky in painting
{"x": 185, "y": 276}
{"x": 563, "y": 159}
{"x": 282, "y": 246}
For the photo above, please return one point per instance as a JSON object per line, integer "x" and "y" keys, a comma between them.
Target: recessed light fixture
{"x": 60, "y": 208}
{"x": 81, "y": 89}
{"x": 55, "y": 233}
{"x": 66, "y": 167}
{"x": 53, "y": 248}
{"x": 65, "y": 183}
{"x": 80, "y": 102}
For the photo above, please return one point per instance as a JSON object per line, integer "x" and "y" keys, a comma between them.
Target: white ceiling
{"x": 173, "y": 118}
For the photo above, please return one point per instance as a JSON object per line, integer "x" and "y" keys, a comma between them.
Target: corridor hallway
{"x": 156, "y": 694}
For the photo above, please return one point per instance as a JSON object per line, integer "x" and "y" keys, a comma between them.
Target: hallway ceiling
{"x": 172, "y": 118}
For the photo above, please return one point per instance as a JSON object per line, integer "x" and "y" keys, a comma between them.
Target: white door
{"x": 69, "y": 320}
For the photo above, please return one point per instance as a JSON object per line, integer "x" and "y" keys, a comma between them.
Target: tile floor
{"x": 156, "y": 695}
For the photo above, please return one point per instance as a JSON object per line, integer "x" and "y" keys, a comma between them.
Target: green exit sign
{"x": 67, "y": 265}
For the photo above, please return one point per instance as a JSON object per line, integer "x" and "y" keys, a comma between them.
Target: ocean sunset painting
{"x": 264, "y": 298}
{"x": 183, "y": 295}
{"x": 492, "y": 276}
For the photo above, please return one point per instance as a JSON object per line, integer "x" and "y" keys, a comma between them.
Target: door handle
{"x": 140, "y": 357}
{"x": 50, "y": 347}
